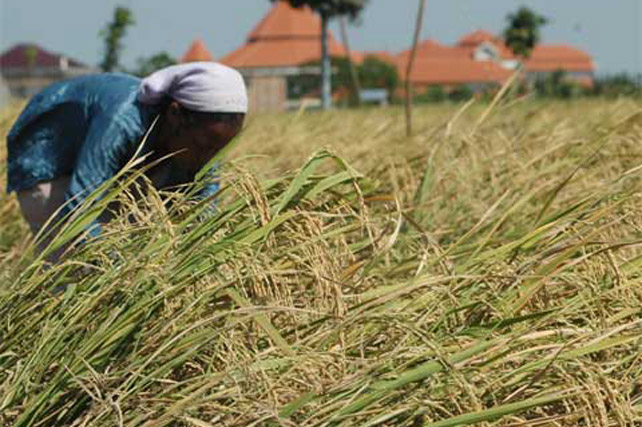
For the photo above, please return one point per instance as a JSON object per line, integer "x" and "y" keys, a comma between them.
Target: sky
{"x": 609, "y": 30}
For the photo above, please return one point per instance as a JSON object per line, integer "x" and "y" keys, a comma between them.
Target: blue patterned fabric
{"x": 87, "y": 127}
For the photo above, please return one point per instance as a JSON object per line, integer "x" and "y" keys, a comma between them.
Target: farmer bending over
{"x": 77, "y": 134}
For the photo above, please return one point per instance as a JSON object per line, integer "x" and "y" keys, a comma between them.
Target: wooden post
{"x": 326, "y": 65}
{"x": 413, "y": 53}
{"x": 353, "y": 70}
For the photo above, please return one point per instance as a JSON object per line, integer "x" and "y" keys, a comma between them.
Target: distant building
{"x": 197, "y": 52}
{"x": 544, "y": 59}
{"x": 5, "y": 96}
{"x": 278, "y": 48}
{"x": 281, "y": 47}
{"x": 28, "y": 68}
{"x": 482, "y": 45}
{"x": 481, "y": 60}
{"x": 440, "y": 65}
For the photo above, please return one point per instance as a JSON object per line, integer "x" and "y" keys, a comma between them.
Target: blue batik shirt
{"x": 88, "y": 128}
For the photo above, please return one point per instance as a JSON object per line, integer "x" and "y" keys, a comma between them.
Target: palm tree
{"x": 523, "y": 31}
{"x": 112, "y": 35}
{"x": 328, "y": 9}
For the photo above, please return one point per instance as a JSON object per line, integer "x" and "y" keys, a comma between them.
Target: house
{"x": 437, "y": 64}
{"x": 28, "y": 68}
{"x": 548, "y": 58}
{"x": 482, "y": 45}
{"x": 277, "y": 49}
{"x": 280, "y": 49}
{"x": 481, "y": 60}
{"x": 544, "y": 59}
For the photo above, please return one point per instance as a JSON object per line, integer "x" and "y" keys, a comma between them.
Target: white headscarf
{"x": 198, "y": 86}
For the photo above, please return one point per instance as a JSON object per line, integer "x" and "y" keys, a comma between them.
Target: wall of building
{"x": 27, "y": 86}
{"x": 5, "y": 96}
{"x": 267, "y": 93}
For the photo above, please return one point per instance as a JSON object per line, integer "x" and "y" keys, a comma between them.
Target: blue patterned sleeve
{"x": 210, "y": 186}
{"x": 105, "y": 151}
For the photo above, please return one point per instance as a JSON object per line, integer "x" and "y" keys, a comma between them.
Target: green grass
{"x": 485, "y": 271}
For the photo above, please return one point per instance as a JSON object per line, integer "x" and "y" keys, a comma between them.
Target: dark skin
{"x": 193, "y": 139}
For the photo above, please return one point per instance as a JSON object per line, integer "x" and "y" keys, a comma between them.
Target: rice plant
{"x": 485, "y": 271}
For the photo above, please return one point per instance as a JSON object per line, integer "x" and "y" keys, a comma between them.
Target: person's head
{"x": 203, "y": 108}
{"x": 195, "y": 137}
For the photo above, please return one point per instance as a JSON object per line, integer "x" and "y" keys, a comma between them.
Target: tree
{"x": 461, "y": 93}
{"x": 305, "y": 84}
{"x": 435, "y": 94}
{"x": 375, "y": 73}
{"x": 112, "y": 35}
{"x": 617, "y": 86}
{"x": 557, "y": 85}
{"x": 523, "y": 31}
{"x": 328, "y": 9}
{"x": 147, "y": 66}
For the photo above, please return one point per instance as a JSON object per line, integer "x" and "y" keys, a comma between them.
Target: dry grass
{"x": 477, "y": 273}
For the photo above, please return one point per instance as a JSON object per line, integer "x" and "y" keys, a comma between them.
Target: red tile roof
{"x": 18, "y": 56}
{"x": 433, "y": 49}
{"x": 472, "y": 40}
{"x": 547, "y": 58}
{"x": 197, "y": 52}
{"x": 544, "y": 58}
{"x": 285, "y": 37}
{"x": 438, "y": 64}
{"x": 355, "y": 56}
{"x": 284, "y": 21}
{"x": 434, "y": 71}
{"x": 279, "y": 53}
{"x": 475, "y": 38}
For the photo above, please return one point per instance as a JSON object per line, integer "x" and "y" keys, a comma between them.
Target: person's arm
{"x": 210, "y": 185}
{"x": 105, "y": 151}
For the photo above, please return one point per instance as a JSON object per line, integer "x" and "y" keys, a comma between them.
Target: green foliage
{"x": 146, "y": 66}
{"x": 330, "y": 8}
{"x": 461, "y": 93}
{"x": 437, "y": 94}
{"x": 523, "y": 31}
{"x": 113, "y": 35}
{"x": 434, "y": 94}
{"x": 557, "y": 85}
{"x": 309, "y": 84}
{"x": 621, "y": 85}
{"x": 375, "y": 73}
